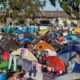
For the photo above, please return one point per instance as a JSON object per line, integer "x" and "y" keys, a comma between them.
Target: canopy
{"x": 55, "y": 63}
{"x": 71, "y": 76}
{"x": 42, "y": 32}
{"x": 43, "y": 45}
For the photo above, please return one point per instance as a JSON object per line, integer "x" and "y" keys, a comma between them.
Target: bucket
{"x": 3, "y": 76}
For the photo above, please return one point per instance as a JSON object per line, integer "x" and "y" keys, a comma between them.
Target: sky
{"x": 50, "y": 7}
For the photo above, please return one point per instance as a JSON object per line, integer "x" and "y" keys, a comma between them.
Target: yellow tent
{"x": 77, "y": 30}
{"x": 42, "y": 32}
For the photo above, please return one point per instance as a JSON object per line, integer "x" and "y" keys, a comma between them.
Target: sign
{"x": 21, "y": 36}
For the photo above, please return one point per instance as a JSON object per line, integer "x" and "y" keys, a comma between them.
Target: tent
{"x": 43, "y": 45}
{"x": 55, "y": 62}
{"x": 71, "y": 38}
{"x": 50, "y": 52}
{"x": 8, "y": 44}
{"x": 42, "y": 32}
{"x": 26, "y": 54}
{"x": 76, "y": 68}
{"x": 77, "y": 30}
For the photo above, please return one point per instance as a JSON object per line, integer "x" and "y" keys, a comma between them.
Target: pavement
{"x": 39, "y": 76}
{"x": 70, "y": 76}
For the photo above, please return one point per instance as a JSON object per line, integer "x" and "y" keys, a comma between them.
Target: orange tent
{"x": 55, "y": 63}
{"x": 43, "y": 45}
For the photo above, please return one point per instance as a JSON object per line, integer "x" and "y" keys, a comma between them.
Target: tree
{"x": 69, "y": 6}
{"x": 28, "y": 7}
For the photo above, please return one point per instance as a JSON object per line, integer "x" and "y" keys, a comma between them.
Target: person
{"x": 33, "y": 70}
{"x": 26, "y": 65}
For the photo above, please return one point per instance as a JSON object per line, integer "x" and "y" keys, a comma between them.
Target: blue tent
{"x": 76, "y": 68}
{"x": 71, "y": 48}
{"x": 24, "y": 29}
{"x": 77, "y": 49}
{"x": 71, "y": 38}
{"x": 18, "y": 32}
{"x": 24, "y": 39}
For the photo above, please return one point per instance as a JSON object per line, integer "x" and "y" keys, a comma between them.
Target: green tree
{"x": 69, "y": 6}
{"x": 28, "y": 7}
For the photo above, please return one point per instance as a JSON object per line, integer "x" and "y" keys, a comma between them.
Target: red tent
{"x": 55, "y": 62}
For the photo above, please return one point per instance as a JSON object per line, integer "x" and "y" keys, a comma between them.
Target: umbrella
{"x": 71, "y": 76}
{"x": 55, "y": 62}
{"x": 50, "y": 52}
{"x": 42, "y": 32}
{"x": 71, "y": 38}
{"x": 43, "y": 45}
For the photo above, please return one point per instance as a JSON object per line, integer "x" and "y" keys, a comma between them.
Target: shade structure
{"x": 71, "y": 76}
{"x": 42, "y": 32}
{"x": 43, "y": 45}
{"x": 55, "y": 63}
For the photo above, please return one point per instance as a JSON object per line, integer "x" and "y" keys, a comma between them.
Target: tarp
{"x": 43, "y": 45}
